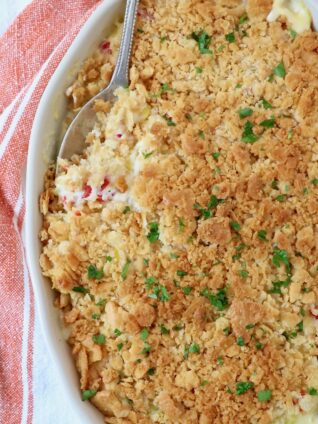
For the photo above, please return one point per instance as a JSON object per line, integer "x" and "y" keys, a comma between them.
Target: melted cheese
{"x": 295, "y": 11}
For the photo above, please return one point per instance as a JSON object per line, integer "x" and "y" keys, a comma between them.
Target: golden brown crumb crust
{"x": 227, "y": 209}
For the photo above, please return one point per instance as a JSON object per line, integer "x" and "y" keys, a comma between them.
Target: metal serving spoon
{"x": 74, "y": 139}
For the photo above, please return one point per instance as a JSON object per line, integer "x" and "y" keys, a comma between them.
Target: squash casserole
{"x": 183, "y": 243}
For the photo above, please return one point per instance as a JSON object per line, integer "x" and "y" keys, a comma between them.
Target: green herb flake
{"x": 181, "y": 225}
{"x": 151, "y": 371}
{"x": 95, "y": 316}
{"x": 281, "y": 198}
{"x": 300, "y": 327}
{"x": 264, "y": 395}
{"x": 99, "y": 339}
{"x": 243, "y": 386}
{"x": 187, "y": 290}
{"x": 279, "y": 70}
{"x": 314, "y": 181}
{"x": 194, "y": 348}
{"x": 221, "y": 48}
{"x": 259, "y": 345}
{"x": 261, "y": 234}
{"x": 120, "y": 346}
{"x": 268, "y": 123}
{"x": 169, "y": 121}
{"x": 144, "y": 333}
{"x": 312, "y": 391}
{"x": 243, "y": 19}
{"x": 216, "y": 155}
{"x": 80, "y": 289}
{"x": 146, "y": 262}
{"x": 274, "y": 184}
{"x": 160, "y": 292}
{"x": 181, "y": 273}
{"x": 150, "y": 281}
{"x": 153, "y": 234}
{"x": 109, "y": 258}
{"x": 249, "y": 326}
{"x": 146, "y": 349}
{"x": 125, "y": 270}
{"x": 219, "y": 299}
{"x": 302, "y": 312}
{"x": 290, "y": 133}
{"x": 230, "y": 37}
{"x": 147, "y": 155}
{"x": 87, "y": 394}
{"x": 204, "y": 383}
{"x": 226, "y": 331}
{"x": 203, "y": 40}
{"x": 93, "y": 273}
{"x": 245, "y": 112}
{"x": 140, "y": 31}
{"x": 239, "y": 85}
{"x": 117, "y": 332}
{"x": 188, "y": 116}
{"x": 164, "y": 330}
{"x": 243, "y": 273}
{"x": 101, "y": 302}
{"x": 164, "y": 38}
{"x": 220, "y": 360}
{"x": 280, "y": 257}
{"x": 202, "y": 135}
{"x": 240, "y": 341}
{"x": 248, "y": 135}
{"x": 198, "y": 70}
{"x": 235, "y": 225}
{"x": 266, "y": 105}
{"x": 292, "y": 33}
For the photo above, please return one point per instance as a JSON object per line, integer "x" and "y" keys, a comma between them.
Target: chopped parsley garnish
{"x": 99, "y": 339}
{"x": 188, "y": 116}
{"x": 292, "y": 33}
{"x": 144, "y": 334}
{"x": 219, "y": 299}
{"x": 261, "y": 234}
{"x": 163, "y": 329}
{"x": 314, "y": 181}
{"x": 165, "y": 88}
{"x": 243, "y": 19}
{"x": 125, "y": 270}
{"x": 240, "y": 341}
{"x": 203, "y": 40}
{"x": 181, "y": 225}
{"x": 279, "y": 70}
{"x": 146, "y": 349}
{"x": 266, "y": 105}
{"x": 95, "y": 316}
{"x": 248, "y": 135}
{"x": 249, "y": 326}
{"x": 245, "y": 112}
{"x": 290, "y": 133}
{"x": 221, "y": 48}
{"x": 226, "y": 331}
{"x": 169, "y": 121}
{"x": 230, "y": 37}
{"x": 312, "y": 391}
{"x": 198, "y": 70}
{"x": 187, "y": 290}
{"x": 117, "y": 332}
{"x": 243, "y": 273}
{"x": 153, "y": 234}
{"x": 281, "y": 198}
{"x": 151, "y": 371}
{"x": 280, "y": 257}
{"x": 235, "y": 225}
{"x": 243, "y": 386}
{"x": 150, "y": 281}
{"x": 259, "y": 345}
{"x": 204, "y": 383}
{"x": 202, "y": 135}
{"x": 109, "y": 258}
{"x": 268, "y": 123}
{"x": 87, "y": 394}
{"x": 146, "y": 262}
{"x": 160, "y": 292}
{"x": 264, "y": 395}
{"x": 164, "y": 38}
{"x": 219, "y": 360}
{"x": 194, "y": 348}
{"x": 147, "y": 155}
{"x": 93, "y": 273}
{"x": 274, "y": 184}
{"x": 238, "y": 85}
{"x": 140, "y": 31}
{"x": 302, "y": 312}
{"x": 216, "y": 155}
{"x": 277, "y": 285}
{"x": 80, "y": 289}
{"x": 181, "y": 273}
{"x": 214, "y": 202}
{"x": 120, "y": 346}
{"x": 101, "y": 302}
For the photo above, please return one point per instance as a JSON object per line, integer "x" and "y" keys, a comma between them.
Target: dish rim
{"x": 41, "y": 149}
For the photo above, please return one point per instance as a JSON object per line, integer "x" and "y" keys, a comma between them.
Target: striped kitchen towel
{"x": 30, "y": 51}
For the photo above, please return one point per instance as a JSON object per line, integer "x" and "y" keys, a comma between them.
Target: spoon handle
{"x": 120, "y": 76}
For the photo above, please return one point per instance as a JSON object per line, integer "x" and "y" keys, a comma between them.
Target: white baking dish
{"x": 42, "y": 150}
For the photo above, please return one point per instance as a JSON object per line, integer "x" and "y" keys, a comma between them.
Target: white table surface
{"x": 49, "y": 406}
